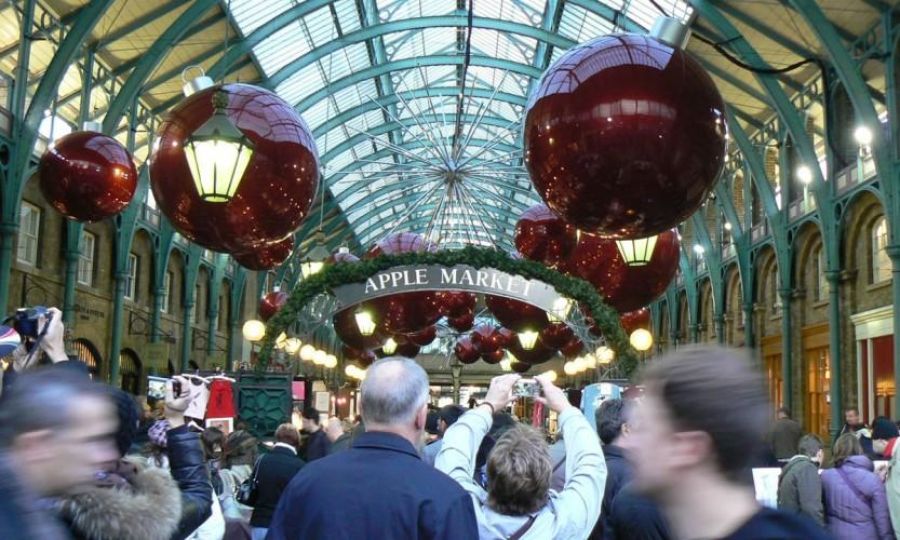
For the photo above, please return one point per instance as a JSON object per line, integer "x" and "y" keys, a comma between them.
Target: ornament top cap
{"x": 671, "y": 31}
{"x": 92, "y": 125}
{"x": 195, "y": 85}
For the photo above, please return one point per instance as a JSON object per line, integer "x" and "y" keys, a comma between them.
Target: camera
{"x": 527, "y": 388}
{"x": 25, "y": 321}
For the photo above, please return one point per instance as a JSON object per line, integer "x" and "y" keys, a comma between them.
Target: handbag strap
{"x": 520, "y": 532}
{"x": 862, "y": 498}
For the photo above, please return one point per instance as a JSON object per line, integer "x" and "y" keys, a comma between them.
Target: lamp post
{"x": 637, "y": 251}
{"x": 642, "y": 340}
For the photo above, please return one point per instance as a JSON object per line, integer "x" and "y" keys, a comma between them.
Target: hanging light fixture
{"x": 637, "y": 251}
{"x": 218, "y": 154}
{"x": 562, "y": 306}
{"x": 389, "y": 347}
{"x": 253, "y": 330}
{"x": 528, "y": 339}
{"x": 364, "y": 322}
{"x": 314, "y": 260}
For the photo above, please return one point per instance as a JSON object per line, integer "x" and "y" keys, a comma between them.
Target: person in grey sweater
{"x": 519, "y": 502}
{"x": 799, "y": 486}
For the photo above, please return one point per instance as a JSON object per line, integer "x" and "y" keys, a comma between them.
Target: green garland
{"x": 334, "y": 275}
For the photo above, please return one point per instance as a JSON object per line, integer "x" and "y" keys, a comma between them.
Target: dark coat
{"x": 317, "y": 445}
{"x": 851, "y": 516}
{"x": 800, "y": 489}
{"x": 618, "y": 473}
{"x": 342, "y": 443}
{"x": 633, "y": 517}
{"x": 784, "y": 438}
{"x": 768, "y": 524}
{"x": 379, "y": 488}
{"x": 276, "y": 469}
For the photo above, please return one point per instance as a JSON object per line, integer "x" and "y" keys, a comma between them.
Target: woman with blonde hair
{"x": 855, "y": 500}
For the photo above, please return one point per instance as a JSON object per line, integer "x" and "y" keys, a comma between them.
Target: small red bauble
{"x": 506, "y": 336}
{"x": 625, "y": 136}
{"x": 466, "y": 351}
{"x": 277, "y": 188}
{"x": 266, "y": 257}
{"x": 557, "y": 334}
{"x": 486, "y": 338}
{"x": 639, "y": 318}
{"x": 463, "y": 323}
{"x": 87, "y": 176}
{"x": 456, "y": 303}
{"x": 544, "y": 237}
{"x": 493, "y": 357}
{"x": 516, "y": 315}
{"x": 423, "y": 337}
{"x": 271, "y": 304}
{"x": 572, "y": 349}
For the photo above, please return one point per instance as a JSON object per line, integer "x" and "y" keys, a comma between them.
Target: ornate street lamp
{"x": 365, "y": 322}
{"x": 314, "y": 260}
{"x": 218, "y": 154}
{"x": 528, "y": 339}
{"x": 637, "y": 251}
{"x": 389, "y": 347}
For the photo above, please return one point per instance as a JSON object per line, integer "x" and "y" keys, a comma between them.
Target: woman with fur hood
{"x": 133, "y": 502}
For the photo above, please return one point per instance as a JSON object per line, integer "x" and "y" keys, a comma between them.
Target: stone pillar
{"x": 893, "y": 252}
{"x": 834, "y": 346}
{"x": 787, "y": 339}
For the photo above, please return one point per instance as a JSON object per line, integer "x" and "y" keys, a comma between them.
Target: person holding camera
{"x": 519, "y": 503}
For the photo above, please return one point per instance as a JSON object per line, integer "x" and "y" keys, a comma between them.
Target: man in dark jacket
{"x": 317, "y": 442}
{"x": 693, "y": 434}
{"x": 56, "y": 430}
{"x": 379, "y": 488}
{"x": 785, "y": 435}
{"x": 799, "y": 486}
{"x": 340, "y": 439}
{"x": 275, "y": 471}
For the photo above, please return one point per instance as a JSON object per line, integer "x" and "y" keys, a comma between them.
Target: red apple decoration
{"x": 556, "y": 335}
{"x": 271, "y": 304}
{"x": 625, "y": 136}
{"x": 423, "y": 337}
{"x": 276, "y": 190}
{"x": 506, "y": 336}
{"x": 456, "y": 303}
{"x": 544, "y": 237}
{"x": 486, "y": 338}
{"x": 536, "y": 355}
{"x": 639, "y": 318}
{"x": 466, "y": 351}
{"x": 515, "y": 314}
{"x": 266, "y": 257}
{"x": 87, "y": 176}
{"x": 493, "y": 357}
{"x": 463, "y": 323}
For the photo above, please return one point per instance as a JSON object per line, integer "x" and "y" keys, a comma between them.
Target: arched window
{"x": 881, "y": 263}
{"x": 130, "y": 369}
{"x": 87, "y": 353}
{"x": 821, "y": 284}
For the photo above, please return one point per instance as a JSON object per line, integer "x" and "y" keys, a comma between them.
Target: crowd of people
{"x": 79, "y": 459}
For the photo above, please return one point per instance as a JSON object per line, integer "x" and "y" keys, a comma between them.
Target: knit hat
{"x": 129, "y": 417}
{"x": 157, "y": 433}
{"x": 883, "y": 429}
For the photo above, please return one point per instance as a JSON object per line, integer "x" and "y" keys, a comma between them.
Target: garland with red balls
{"x": 335, "y": 275}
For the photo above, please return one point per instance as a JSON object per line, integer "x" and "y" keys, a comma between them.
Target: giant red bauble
{"x": 466, "y": 351}
{"x": 625, "y": 136}
{"x": 347, "y": 329}
{"x": 515, "y": 314}
{"x": 277, "y": 188}
{"x": 463, "y": 323}
{"x": 539, "y": 353}
{"x": 573, "y": 348}
{"x": 407, "y": 313}
{"x": 267, "y": 256}
{"x": 87, "y": 176}
{"x": 543, "y": 236}
{"x": 639, "y": 318}
{"x": 271, "y": 304}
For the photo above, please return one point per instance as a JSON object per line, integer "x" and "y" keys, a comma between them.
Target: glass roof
{"x": 414, "y": 134}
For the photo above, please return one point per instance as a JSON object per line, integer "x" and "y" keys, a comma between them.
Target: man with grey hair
{"x": 379, "y": 488}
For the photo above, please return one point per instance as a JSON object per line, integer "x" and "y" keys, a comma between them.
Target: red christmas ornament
{"x": 276, "y": 190}
{"x": 557, "y": 334}
{"x": 506, "y": 336}
{"x": 493, "y": 357}
{"x": 266, "y": 257}
{"x": 463, "y": 323}
{"x": 486, "y": 338}
{"x": 424, "y": 337}
{"x": 456, "y": 303}
{"x": 87, "y": 176}
{"x": 271, "y": 304}
{"x": 466, "y": 351}
{"x": 625, "y": 136}
{"x": 520, "y": 367}
{"x": 572, "y": 349}
{"x": 516, "y": 315}
{"x": 347, "y": 329}
{"x": 544, "y": 237}
{"x": 536, "y": 355}
{"x": 397, "y": 243}
{"x": 407, "y": 313}
{"x": 633, "y": 320}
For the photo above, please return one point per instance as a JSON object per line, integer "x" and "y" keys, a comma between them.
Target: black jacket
{"x": 618, "y": 473}
{"x": 379, "y": 488}
{"x": 317, "y": 445}
{"x": 633, "y": 517}
{"x": 768, "y": 524}
{"x": 276, "y": 469}
{"x": 189, "y": 471}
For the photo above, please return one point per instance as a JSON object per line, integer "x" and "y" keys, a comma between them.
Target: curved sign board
{"x": 402, "y": 279}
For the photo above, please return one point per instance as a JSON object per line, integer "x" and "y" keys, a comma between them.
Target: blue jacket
{"x": 379, "y": 488}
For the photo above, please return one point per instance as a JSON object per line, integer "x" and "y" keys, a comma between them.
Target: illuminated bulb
{"x": 590, "y": 361}
{"x": 389, "y": 347}
{"x": 281, "y": 340}
{"x": 641, "y": 339}
{"x": 727, "y": 225}
{"x": 330, "y": 361}
{"x": 292, "y": 345}
{"x": 506, "y": 364}
{"x": 604, "y": 355}
{"x": 804, "y": 174}
{"x": 253, "y": 330}
{"x": 307, "y": 352}
{"x": 365, "y": 323}
{"x": 863, "y": 136}
{"x": 528, "y": 339}
{"x": 551, "y": 375}
{"x": 569, "y": 368}
{"x": 319, "y": 358}
{"x": 698, "y": 249}
{"x": 561, "y": 308}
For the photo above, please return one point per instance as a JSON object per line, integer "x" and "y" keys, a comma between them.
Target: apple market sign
{"x": 402, "y": 279}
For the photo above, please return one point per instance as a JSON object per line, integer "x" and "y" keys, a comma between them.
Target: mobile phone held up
{"x": 527, "y": 388}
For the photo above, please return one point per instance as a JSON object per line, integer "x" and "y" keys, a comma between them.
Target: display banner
{"x": 401, "y": 279}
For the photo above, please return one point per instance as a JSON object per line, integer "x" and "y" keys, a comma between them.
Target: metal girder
{"x": 734, "y": 81}
{"x": 414, "y": 63}
{"x": 385, "y": 101}
{"x": 419, "y": 219}
{"x": 150, "y": 60}
{"x": 413, "y": 24}
{"x": 757, "y": 167}
{"x": 145, "y": 19}
{"x": 726, "y": 204}
{"x": 769, "y": 32}
{"x": 549, "y": 22}
{"x": 390, "y": 126}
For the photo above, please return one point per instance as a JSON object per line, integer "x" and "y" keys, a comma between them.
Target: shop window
{"x": 86, "y": 259}
{"x": 881, "y": 263}
{"x": 167, "y": 292}
{"x": 131, "y": 273}
{"x": 821, "y": 284}
{"x": 29, "y": 233}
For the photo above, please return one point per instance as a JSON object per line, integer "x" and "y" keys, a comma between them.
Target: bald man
{"x": 380, "y": 481}
{"x": 340, "y": 439}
